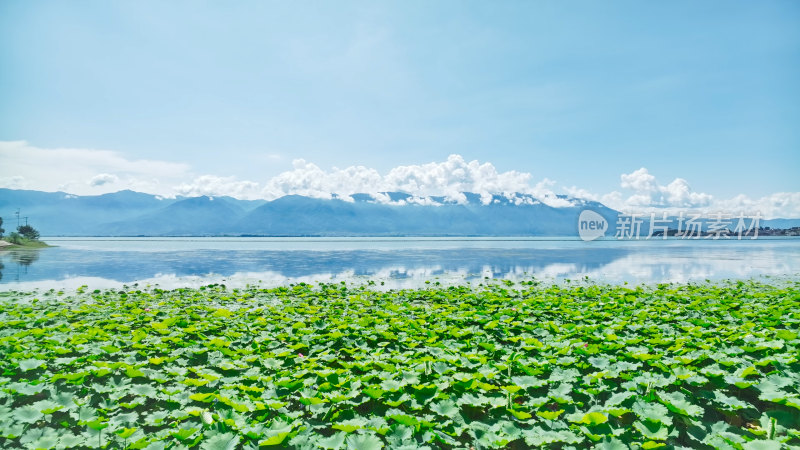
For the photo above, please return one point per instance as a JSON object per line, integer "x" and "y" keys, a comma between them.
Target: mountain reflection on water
{"x": 397, "y": 263}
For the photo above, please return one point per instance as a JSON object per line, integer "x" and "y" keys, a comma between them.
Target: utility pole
{"x": 26, "y": 221}
{"x": 17, "y": 217}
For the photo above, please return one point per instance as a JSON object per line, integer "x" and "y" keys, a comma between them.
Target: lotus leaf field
{"x": 499, "y": 365}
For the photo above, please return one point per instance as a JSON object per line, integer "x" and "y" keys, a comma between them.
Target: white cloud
{"x": 13, "y": 182}
{"x": 639, "y": 180}
{"x": 103, "y": 178}
{"x": 86, "y": 172}
{"x": 647, "y": 195}
{"x": 310, "y": 180}
{"x": 679, "y": 193}
{"x": 450, "y": 179}
{"x": 647, "y": 192}
{"x": 778, "y": 205}
{"x": 455, "y": 176}
{"x": 83, "y": 171}
{"x": 211, "y": 185}
{"x": 613, "y": 199}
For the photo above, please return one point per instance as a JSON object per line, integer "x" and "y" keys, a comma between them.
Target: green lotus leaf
{"x": 40, "y": 438}
{"x": 144, "y": 390}
{"x": 86, "y": 414}
{"x": 521, "y": 415}
{"x": 65, "y": 400}
{"x": 350, "y": 425}
{"x": 156, "y": 418}
{"x": 97, "y": 424}
{"x": 125, "y": 433}
{"x": 25, "y": 388}
{"x": 537, "y": 437}
{"x": 27, "y": 414}
{"x": 763, "y": 445}
{"x": 203, "y": 397}
{"x": 403, "y": 419}
{"x": 333, "y": 442}
{"x": 183, "y": 434}
{"x": 222, "y": 441}
{"x": 593, "y": 418}
{"x": 562, "y": 393}
{"x": 12, "y": 429}
{"x": 652, "y": 412}
{"x": 30, "y": 364}
{"x": 445, "y": 408}
{"x": 277, "y": 432}
{"x": 682, "y": 373}
{"x": 364, "y": 442}
{"x": 786, "y": 335}
{"x": 47, "y": 406}
{"x": 652, "y": 430}
{"x": 125, "y": 418}
{"x": 390, "y": 385}
{"x": 133, "y": 372}
{"x": 678, "y": 403}
{"x": 550, "y": 415}
{"x": 730, "y": 403}
{"x": 69, "y": 440}
{"x": 618, "y": 398}
{"x": 374, "y": 392}
{"x": 611, "y": 444}
{"x": 599, "y": 362}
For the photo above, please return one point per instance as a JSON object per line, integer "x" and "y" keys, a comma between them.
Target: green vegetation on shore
{"x": 25, "y": 237}
{"x": 331, "y": 366}
{"x": 22, "y": 244}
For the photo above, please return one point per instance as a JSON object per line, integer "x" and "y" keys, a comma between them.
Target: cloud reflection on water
{"x": 397, "y": 266}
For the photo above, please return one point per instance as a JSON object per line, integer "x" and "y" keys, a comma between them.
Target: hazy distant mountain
{"x": 58, "y": 213}
{"x": 128, "y": 213}
{"x": 196, "y": 216}
{"x": 294, "y": 215}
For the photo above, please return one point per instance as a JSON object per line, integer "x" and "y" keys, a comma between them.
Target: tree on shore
{"x": 1, "y": 227}
{"x": 28, "y": 232}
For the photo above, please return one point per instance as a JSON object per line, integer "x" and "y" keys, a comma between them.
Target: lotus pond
{"x": 337, "y": 366}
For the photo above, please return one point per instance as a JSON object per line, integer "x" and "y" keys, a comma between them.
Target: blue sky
{"x": 576, "y": 92}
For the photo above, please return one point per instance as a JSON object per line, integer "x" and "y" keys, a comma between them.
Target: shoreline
{"x": 28, "y": 245}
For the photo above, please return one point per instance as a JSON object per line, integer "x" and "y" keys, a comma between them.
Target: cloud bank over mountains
{"x": 84, "y": 171}
{"x": 88, "y": 172}
{"x": 448, "y": 179}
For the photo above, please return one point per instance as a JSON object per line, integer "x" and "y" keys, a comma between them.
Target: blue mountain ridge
{"x": 128, "y": 213}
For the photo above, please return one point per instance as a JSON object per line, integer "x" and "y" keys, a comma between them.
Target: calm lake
{"x": 397, "y": 262}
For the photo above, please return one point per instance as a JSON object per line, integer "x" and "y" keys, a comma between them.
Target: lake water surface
{"x": 396, "y": 262}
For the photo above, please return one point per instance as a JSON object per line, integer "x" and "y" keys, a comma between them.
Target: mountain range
{"x": 128, "y": 213}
